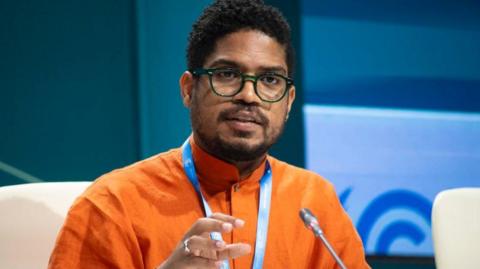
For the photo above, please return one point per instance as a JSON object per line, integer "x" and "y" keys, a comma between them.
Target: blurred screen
{"x": 392, "y": 111}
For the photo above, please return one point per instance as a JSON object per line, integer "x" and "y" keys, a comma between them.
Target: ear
{"x": 186, "y": 83}
{"x": 290, "y": 99}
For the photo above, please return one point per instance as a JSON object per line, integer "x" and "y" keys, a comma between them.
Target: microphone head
{"x": 305, "y": 215}
{"x": 308, "y": 217}
{"x": 310, "y": 221}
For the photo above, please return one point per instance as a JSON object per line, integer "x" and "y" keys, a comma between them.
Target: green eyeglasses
{"x": 269, "y": 87}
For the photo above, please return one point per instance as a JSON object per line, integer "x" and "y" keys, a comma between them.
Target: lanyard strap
{"x": 263, "y": 210}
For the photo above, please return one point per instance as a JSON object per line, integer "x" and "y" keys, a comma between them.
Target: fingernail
{"x": 219, "y": 244}
{"x": 239, "y": 222}
{"x": 227, "y": 227}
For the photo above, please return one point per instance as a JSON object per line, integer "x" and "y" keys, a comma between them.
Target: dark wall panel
{"x": 67, "y": 100}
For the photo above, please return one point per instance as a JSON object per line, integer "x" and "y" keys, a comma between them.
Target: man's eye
{"x": 227, "y": 74}
{"x": 270, "y": 79}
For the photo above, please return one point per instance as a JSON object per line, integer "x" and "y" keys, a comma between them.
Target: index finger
{"x": 236, "y": 222}
{"x": 208, "y": 225}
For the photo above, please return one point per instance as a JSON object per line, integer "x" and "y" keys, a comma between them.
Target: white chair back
{"x": 456, "y": 228}
{"x": 31, "y": 216}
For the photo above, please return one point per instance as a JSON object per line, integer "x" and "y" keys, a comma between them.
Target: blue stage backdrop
{"x": 392, "y": 111}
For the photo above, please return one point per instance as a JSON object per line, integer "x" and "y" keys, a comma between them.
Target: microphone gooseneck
{"x": 311, "y": 223}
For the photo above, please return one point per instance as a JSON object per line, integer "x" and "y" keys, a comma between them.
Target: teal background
{"x": 90, "y": 86}
{"x": 68, "y": 88}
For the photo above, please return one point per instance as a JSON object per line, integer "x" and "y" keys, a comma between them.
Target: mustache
{"x": 245, "y": 112}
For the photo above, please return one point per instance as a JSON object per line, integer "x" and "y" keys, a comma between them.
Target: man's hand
{"x": 198, "y": 250}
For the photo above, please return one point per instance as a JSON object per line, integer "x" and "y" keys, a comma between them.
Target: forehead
{"x": 249, "y": 49}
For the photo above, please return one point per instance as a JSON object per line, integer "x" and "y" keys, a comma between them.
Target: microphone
{"x": 312, "y": 224}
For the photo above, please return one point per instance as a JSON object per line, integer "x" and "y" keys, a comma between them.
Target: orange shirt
{"x": 135, "y": 216}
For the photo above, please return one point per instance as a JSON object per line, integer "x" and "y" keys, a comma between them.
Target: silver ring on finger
{"x": 185, "y": 246}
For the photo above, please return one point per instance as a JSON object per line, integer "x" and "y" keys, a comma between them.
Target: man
{"x": 219, "y": 200}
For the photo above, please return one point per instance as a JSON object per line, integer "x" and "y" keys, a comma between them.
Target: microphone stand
{"x": 312, "y": 224}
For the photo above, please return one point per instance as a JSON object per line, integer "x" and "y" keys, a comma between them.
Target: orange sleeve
{"x": 348, "y": 244}
{"x": 96, "y": 237}
{"x": 341, "y": 234}
{"x": 338, "y": 229}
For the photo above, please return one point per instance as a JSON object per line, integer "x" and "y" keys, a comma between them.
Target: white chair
{"x": 31, "y": 216}
{"x": 456, "y": 228}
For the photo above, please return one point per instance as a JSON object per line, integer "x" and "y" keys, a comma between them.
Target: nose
{"x": 247, "y": 93}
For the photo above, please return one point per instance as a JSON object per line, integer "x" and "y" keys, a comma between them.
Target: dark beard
{"x": 229, "y": 151}
{"x": 238, "y": 152}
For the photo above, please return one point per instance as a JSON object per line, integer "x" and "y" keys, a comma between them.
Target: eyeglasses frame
{"x": 209, "y": 71}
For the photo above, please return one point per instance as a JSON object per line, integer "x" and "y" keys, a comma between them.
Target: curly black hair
{"x": 228, "y": 16}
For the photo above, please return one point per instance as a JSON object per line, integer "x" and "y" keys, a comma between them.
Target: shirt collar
{"x": 217, "y": 175}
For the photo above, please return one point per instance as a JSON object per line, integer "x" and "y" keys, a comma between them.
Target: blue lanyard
{"x": 263, "y": 210}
